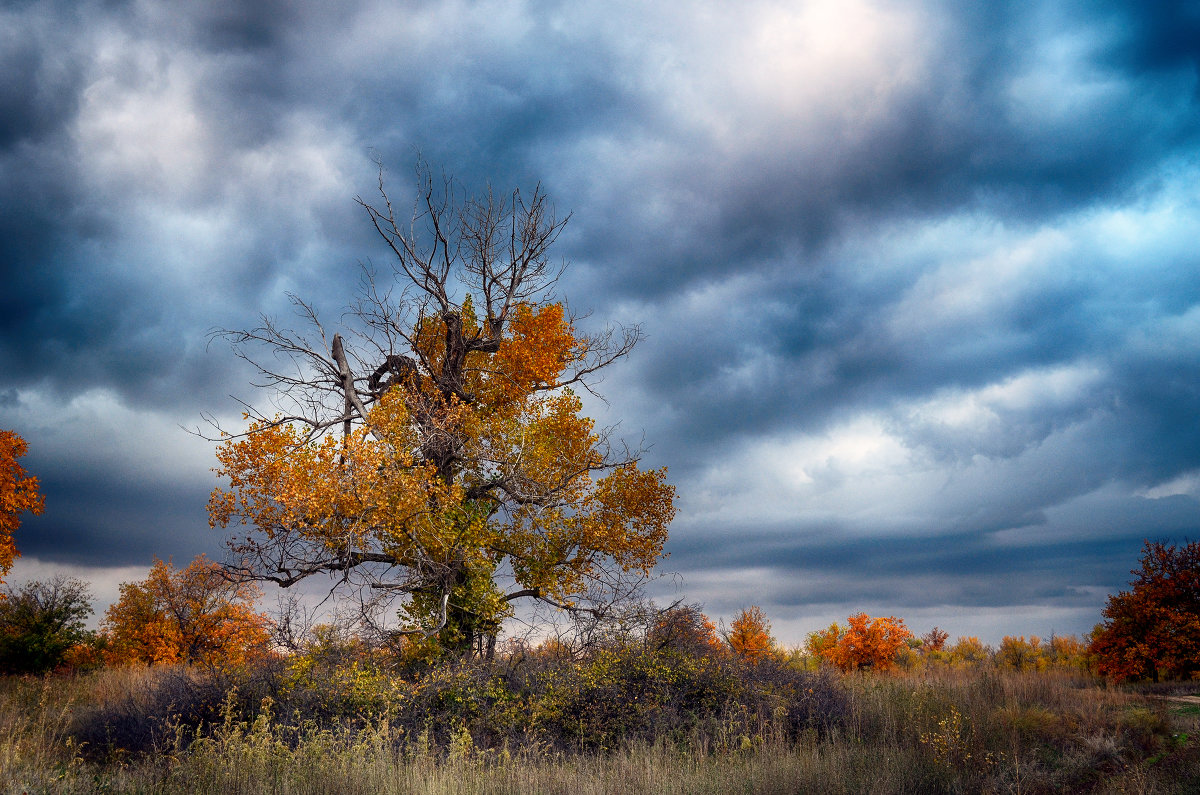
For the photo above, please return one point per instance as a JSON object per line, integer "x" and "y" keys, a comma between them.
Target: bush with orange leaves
{"x": 196, "y": 615}
{"x": 750, "y": 635}
{"x": 865, "y": 643}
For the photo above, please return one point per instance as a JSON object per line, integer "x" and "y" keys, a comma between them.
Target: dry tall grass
{"x": 949, "y": 731}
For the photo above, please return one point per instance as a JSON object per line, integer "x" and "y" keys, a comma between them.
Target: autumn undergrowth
{"x": 625, "y": 720}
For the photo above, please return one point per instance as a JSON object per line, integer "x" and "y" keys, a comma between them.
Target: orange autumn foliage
{"x": 446, "y": 462}
{"x": 822, "y": 641}
{"x": 18, "y": 493}
{"x": 865, "y": 643}
{"x": 195, "y": 615}
{"x": 750, "y": 634}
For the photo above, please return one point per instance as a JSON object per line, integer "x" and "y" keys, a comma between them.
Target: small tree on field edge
{"x": 196, "y": 614}
{"x": 750, "y": 634}
{"x": 865, "y": 643}
{"x": 18, "y": 493}
{"x": 1153, "y": 629}
{"x": 42, "y": 626}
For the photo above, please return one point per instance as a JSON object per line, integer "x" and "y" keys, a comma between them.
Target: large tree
{"x": 436, "y": 452}
{"x": 1154, "y": 627}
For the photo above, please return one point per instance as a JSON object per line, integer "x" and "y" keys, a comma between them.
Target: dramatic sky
{"x": 920, "y": 281}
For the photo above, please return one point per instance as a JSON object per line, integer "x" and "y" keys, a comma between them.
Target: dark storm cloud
{"x": 40, "y": 90}
{"x": 75, "y": 309}
{"x": 38, "y": 98}
{"x": 1159, "y": 34}
{"x": 106, "y": 519}
{"x": 810, "y": 348}
{"x": 921, "y": 243}
{"x": 991, "y": 126}
{"x": 967, "y": 555}
{"x": 828, "y": 565}
{"x": 947, "y": 143}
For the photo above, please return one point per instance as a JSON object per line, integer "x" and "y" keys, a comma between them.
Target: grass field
{"x": 471, "y": 731}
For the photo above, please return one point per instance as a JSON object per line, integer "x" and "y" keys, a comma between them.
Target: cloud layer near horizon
{"x": 919, "y": 283}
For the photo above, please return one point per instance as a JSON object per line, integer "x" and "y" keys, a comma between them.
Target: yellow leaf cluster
{"x": 541, "y": 344}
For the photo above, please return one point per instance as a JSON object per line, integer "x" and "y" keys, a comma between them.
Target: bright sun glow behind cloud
{"x": 841, "y": 57}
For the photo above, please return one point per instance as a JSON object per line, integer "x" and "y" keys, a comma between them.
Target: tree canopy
{"x": 18, "y": 493}
{"x": 1153, "y": 628}
{"x": 196, "y": 614}
{"x": 750, "y": 634}
{"x": 864, "y": 642}
{"x": 41, "y": 622}
{"x": 436, "y": 453}
{"x": 684, "y": 628}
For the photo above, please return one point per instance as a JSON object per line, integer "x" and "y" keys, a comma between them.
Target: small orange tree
{"x": 1153, "y": 629}
{"x": 18, "y": 493}
{"x": 750, "y": 634}
{"x": 865, "y": 642}
{"x": 196, "y": 615}
{"x": 821, "y": 642}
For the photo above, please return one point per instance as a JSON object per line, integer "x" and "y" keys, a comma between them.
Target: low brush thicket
{"x": 624, "y": 718}
{"x": 533, "y": 704}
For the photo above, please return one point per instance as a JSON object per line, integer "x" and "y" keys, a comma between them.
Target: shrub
{"x": 1020, "y": 654}
{"x": 42, "y": 626}
{"x": 969, "y": 652}
{"x": 630, "y": 694}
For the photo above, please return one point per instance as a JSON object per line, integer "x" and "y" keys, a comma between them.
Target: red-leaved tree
{"x": 1153, "y": 629}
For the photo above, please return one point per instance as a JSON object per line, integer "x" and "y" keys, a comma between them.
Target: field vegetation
{"x": 661, "y": 710}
